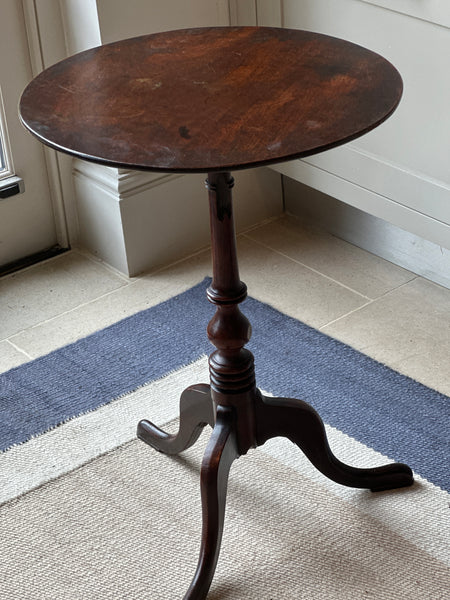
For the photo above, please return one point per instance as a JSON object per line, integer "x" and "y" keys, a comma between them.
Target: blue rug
{"x": 380, "y": 408}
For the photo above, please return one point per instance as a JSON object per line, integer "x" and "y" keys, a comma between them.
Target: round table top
{"x": 210, "y": 99}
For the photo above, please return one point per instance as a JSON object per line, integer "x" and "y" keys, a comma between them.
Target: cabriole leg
{"x": 220, "y": 453}
{"x": 196, "y": 411}
{"x": 300, "y": 423}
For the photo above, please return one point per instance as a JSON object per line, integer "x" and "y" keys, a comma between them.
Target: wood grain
{"x": 210, "y": 99}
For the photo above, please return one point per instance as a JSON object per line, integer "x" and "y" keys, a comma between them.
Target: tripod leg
{"x": 196, "y": 411}
{"x": 300, "y": 423}
{"x": 219, "y": 456}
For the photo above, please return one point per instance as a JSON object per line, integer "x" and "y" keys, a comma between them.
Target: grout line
{"x": 398, "y": 287}
{"x": 309, "y": 268}
{"x": 92, "y": 259}
{"x": 373, "y": 301}
{"x": 263, "y": 223}
{"x": 35, "y": 265}
{"x": 129, "y": 283}
{"x": 101, "y": 263}
{"x": 67, "y": 312}
{"x": 172, "y": 264}
{"x": 344, "y": 316}
{"x": 8, "y": 341}
{"x": 105, "y": 295}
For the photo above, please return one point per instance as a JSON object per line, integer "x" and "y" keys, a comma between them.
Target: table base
{"x": 241, "y": 417}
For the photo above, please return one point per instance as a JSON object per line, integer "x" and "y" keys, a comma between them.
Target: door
{"x": 27, "y": 223}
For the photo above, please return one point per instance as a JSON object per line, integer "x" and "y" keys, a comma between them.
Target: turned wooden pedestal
{"x": 240, "y": 416}
{"x": 214, "y": 101}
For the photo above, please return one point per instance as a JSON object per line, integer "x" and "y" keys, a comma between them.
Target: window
{"x": 6, "y": 168}
{"x": 2, "y": 158}
{"x": 10, "y": 185}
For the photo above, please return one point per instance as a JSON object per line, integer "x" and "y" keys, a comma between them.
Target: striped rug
{"x": 87, "y": 511}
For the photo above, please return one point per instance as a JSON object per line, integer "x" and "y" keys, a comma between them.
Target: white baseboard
{"x": 376, "y": 235}
{"x": 408, "y": 200}
{"x": 137, "y": 221}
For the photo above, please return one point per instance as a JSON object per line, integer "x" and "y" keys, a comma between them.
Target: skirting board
{"x": 137, "y": 221}
{"x": 406, "y": 199}
{"x": 368, "y": 232}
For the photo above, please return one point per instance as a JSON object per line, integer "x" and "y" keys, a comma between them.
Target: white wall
{"x": 80, "y": 25}
{"x": 400, "y": 172}
{"x": 401, "y": 169}
{"x": 138, "y": 221}
{"x": 120, "y": 19}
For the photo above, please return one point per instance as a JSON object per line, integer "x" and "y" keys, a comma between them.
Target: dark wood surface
{"x": 213, "y": 99}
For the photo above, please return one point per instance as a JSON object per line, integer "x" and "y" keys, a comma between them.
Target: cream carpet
{"x": 127, "y": 525}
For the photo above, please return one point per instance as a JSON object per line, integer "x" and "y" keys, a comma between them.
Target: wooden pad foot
{"x": 300, "y": 423}
{"x": 196, "y": 411}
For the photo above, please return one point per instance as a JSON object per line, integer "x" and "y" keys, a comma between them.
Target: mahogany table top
{"x": 210, "y": 99}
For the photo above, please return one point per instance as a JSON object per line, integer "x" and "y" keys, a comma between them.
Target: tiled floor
{"x": 383, "y": 310}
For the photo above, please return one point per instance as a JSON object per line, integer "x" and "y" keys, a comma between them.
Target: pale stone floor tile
{"x": 280, "y": 281}
{"x": 43, "y": 291}
{"x": 296, "y": 290}
{"x": 10, "y": 357}
{"x": 141, "y": 293}
{"x": 361, "y": 271}
{"x": 407, "y": 329}
{"x": 70, "y": 297}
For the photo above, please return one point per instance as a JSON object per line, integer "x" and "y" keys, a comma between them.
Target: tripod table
{"x": 215, "y": 100}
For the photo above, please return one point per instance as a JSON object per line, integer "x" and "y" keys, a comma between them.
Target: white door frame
{"x": 46, "y": 43}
